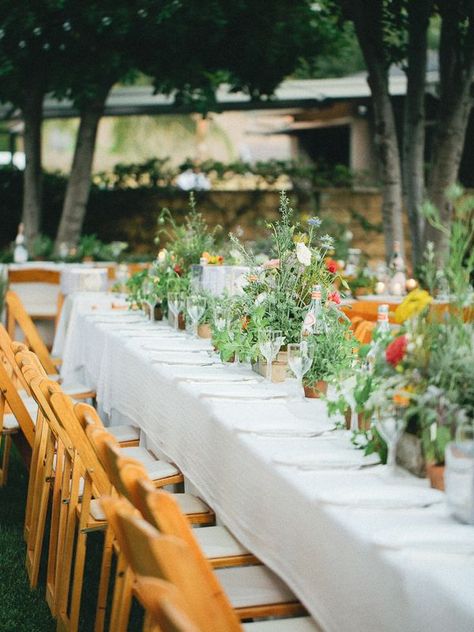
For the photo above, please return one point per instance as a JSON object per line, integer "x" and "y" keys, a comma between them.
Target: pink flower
{"x": 271, "y": 264}
{"x": 334, "y": 297}
{"x": 396, "y": 350}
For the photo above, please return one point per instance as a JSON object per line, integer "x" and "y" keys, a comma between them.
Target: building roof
{"x": 137, "y": 100}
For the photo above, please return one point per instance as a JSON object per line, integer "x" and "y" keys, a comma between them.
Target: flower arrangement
{"x": 276, "y": 294}
{"x": 216, "y": 260}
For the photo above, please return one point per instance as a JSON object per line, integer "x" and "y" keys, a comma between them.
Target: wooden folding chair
{"x": 169, "y": 558}
{"x": 16, "y": 314}
{"x": 164, "y": 606}
{"x": 87, "y": 513}
{"x": 37, "y": 275}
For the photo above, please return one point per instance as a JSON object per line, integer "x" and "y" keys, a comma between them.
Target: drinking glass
{"x": 270, "y": 342}
{"x": 220, "y": 318}
{"x": 149, "y": 297}
{"x": 195, "y": 307}
{"x": 299, "y": 361}
{"x": 172, "y": 309}
{"x": 390, "y": 423}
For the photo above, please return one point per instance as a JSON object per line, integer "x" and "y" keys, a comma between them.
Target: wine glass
{"x": 220, "y": 318}
{"x": 195, "y": 307}
{"x": 172, "y": 307}
{"x": 270, "y": 342}
{"x": 149, "y": 296}
{"x": 299, "y": 361}
{"x": 390, "y": 424}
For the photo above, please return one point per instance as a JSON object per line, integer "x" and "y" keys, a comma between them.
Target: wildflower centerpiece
{"x": 276, "y": 294}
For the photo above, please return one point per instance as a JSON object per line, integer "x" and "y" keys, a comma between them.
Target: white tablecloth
{"x": 356, "y": 565}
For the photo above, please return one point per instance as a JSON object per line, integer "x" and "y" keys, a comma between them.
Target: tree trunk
{"x": 367, "y": 16}
{"x": 32, "y": 180}
{"x": 414, "y": 121}
{"x": 78, "y": 186}
{"x": 456, "y": 77}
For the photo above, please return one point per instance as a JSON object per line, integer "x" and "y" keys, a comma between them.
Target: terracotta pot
{"x": 181, "y": 321}
{"x": 436, "y": 475}
{"x": 361, "y": 291}
{"x": 316, "y": 390}
{"x": 204, "y": 331}
{"x": 87, "y": 259}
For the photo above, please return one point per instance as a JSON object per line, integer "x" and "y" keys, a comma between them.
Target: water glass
{"x": 149, "y": 296}
{"x": 195, "y": 308}
{"x": 299, "y": 361}
{"x": 390, "y": 424}
{"x": 270, "y": 342}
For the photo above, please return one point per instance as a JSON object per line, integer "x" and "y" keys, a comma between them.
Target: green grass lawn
{"x": 23, "y": 609}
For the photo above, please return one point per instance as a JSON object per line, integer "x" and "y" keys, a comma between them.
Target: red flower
{"x": 335, "y": 297}
{"x": 178, "y": 269}
{"x": 331, "y": 266}
{"x": 395, "y": 352}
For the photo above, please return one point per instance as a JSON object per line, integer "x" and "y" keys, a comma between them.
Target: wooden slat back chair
{"x": 36, "y": 275}
{"x": 82, "y": 517}
{"x": 164, "y": 606}
{"x": 17, "y": 315}
{"x": 113, "y": 459}
{"x": 162, "y": 511}
{"x": 8, "y": 351}
{"x": 151, "y": 554}
{"x": 29, "y": 366}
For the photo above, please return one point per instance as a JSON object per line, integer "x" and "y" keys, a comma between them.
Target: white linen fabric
{"x": 320, "y": 530}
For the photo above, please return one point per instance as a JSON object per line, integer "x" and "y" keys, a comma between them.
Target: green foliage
{"x": 42, "y": 247}
{"x": 332, "y": 352}
{"x": 190, "y": 239}
{"x": 459, "y": 263}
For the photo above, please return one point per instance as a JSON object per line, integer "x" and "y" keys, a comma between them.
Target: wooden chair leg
{"x": 36, "y": 533}
{"x": 105, "y": 569}
{"x": 7, "y": 444}
{"x": 63, "y": 576}
{"x": 58, "y": 526}
{"x": 123, "y": 610}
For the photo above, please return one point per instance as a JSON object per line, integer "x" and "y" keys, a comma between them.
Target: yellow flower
{"x": 414, "y": 303}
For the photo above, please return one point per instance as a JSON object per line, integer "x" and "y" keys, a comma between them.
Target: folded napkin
{"x": 330, "y": 460}
{"x": 237, "y": 391}
{"x": 173, "y": 358}
{"x": 381, "y": 496}
{"x": 214, "y": 374}
{"x": 173, "y": 344}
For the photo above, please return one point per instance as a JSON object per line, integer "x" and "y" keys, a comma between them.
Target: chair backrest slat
{"x": 16, "y": 314}
{"x": 34, "y": 275}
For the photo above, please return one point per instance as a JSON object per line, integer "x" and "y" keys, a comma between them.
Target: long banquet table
{"x": 363, "y": 553}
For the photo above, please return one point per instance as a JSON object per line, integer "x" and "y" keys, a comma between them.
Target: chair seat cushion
{"x": 76, "y": 388}
{"x": 253, "y": 586}
{"x": 96, "y": 510}
{"x": 217, "y": 542}
{"x": 124, "y": 432}
{"x": 297, "y": 624}
{"x": 155, "y": 469}
{"x": 190, "y": 504}
{"x": 10, "y": 423}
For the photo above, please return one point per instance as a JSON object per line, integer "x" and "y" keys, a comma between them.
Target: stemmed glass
{"x": 195, "y": 307}
{"x": 149, "y": 296}
{"x": 299, "y": 361}
{"x": 270, "y": 342}
{"x": 220, "y": 318}
{"x": 390, "y": 423}
{"x": 176, "y": 302}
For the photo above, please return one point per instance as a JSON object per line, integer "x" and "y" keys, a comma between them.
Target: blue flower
{"x": 314, "y": 221}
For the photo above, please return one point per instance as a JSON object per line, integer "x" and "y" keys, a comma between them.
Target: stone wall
{"x": 130, "y": 215}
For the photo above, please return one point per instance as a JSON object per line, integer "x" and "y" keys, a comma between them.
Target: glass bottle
{"x": 314, "y": 322}
{"x": 20, "y": 253}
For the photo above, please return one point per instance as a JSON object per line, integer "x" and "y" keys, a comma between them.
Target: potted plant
{"x": 332, "y": 355}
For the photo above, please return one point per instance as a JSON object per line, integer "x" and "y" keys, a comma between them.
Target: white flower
{"x": 260, "y": 298}
{"x": 162, "y": 254}
{"x": 303, "y": 254}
